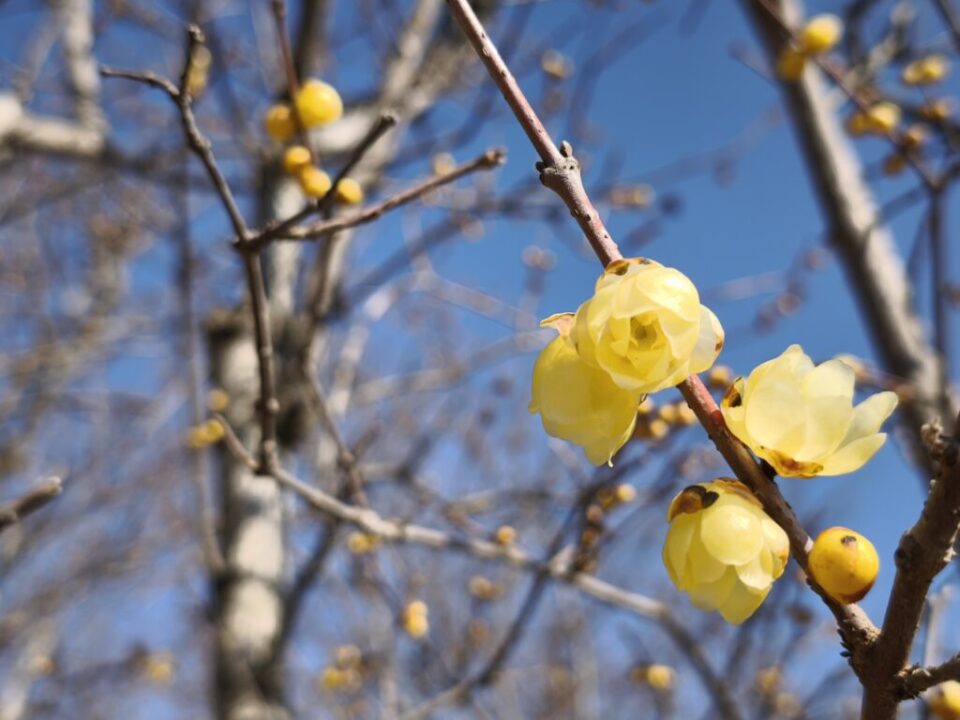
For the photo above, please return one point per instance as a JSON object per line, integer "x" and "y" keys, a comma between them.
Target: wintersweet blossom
{"x": 579, "y": 402}
{"x": 801, "y": 419}
{"x": 645, "y": 327}
{"x": 722, "y": 549}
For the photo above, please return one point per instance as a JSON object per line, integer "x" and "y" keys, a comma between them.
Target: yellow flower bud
{"x": 659, "y": 677}
{"x": 349, "y": 191}
{"x": 925, "y": 71}
{"x": 658, "y": 429}
{"x": 844, "y": 563}
{"x": 722, "y": 549}
{"x": 578, "y": 402}
{"x": 820, "y": 34}
{"x": 883, "y": 118}
{"x": 314, "y": 182}
{"x": 857, "y": 124}
{"x": 218, "y": 400}
{"x": 894, "y": 164}
{"x": 214, "y": 430}
{"x": 790, "y": 64}
{"x": 668, "y": 413}
{"x": 913, "y": 137}
{"x": 556, "y": 65}
{"x": 414, "y": 619}
{"x": 624, "y": 493}
{"x": 767, "y": 680}
{"x": 360, "y": 543}
{"x": 443, "y": 164}
{"x": 937, "y": 110}
{"x": 278, "y": 122}
{"x": 318, "y": 104}
{"x": 295, "y": 158}
{"x": 158, "y": 668}
{"x": 645, "y": 327}
{"x": 720, "y": 377}
{"x": 800, "y": 418}
{"x": 944, "y": 700}
{"x": 505, "y": 535}
{"x": 685, "y": 415}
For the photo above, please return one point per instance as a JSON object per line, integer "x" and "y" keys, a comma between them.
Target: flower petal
{"x": 741, "y": 603}
{"x": 709, "y": 342}
{"x": 853, "y": 456}
{"x": 732, "y": 534}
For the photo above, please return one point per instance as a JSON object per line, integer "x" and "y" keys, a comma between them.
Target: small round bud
{"x": 913, "y": 137}
{"x": 659, "y": 677}
{"x": 505, "y": 535}
{"x": 443, "y": 164}
{"x": 820, "y": 34}
{"x": 790, "y": 64}
{"x": 349, "y": 191}
{"x": 414, "y": 619}
{"x": 318, "y": 104}
{"x": 218, "y": 400}
{"x": 720, "y": 377}
{"x": 278, "y": 122}
{"x": 668, "y": 413}
{"x": 937, "y": 110}
{"x": 925, "y": 71}
{"x": 314, "y": 182}
{"x": 944, "y": 700}
{"x": 894, "y": 164}
{"x": 844, "y": 563}
{"x": 883, "y": 117}
{"x": 295, "y": 158}
{"x": 658, "y": 429}
{"x": 556, "y": 65}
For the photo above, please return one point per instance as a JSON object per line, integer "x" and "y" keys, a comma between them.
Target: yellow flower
{"x": 844, "y": 563}
{"x": 800, "y": 418}
{"x": 318, "y": 103}
{"x": 645, "y": 327}
{"x": 722, "y": 549}
{"x": 505, "y": 535}
{"x": 278, "y": 122}
{"x": 820, "y": 34}
{"x": 944, "y": 700}
{"x": 578, "y": 402}
{"x": 926, "y": 70}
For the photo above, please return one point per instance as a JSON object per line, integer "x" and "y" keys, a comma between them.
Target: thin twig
{"x": 31, "y": 501}
{"x": 486, "y": 161}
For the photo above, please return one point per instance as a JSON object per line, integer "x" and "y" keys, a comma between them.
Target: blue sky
{"x": 675, "y": 95}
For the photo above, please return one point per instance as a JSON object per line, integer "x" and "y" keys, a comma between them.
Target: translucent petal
{"x": 580, "y": 403}
{"x": 869, "y": 415}
{"x": 741, "y": 604}
{"x": 735, "y": 416}
{"x": 853, "y": 456}
{"x": 710, "y": 596}
{"x": 772, "y": 417}
{"x": 732, "y": 534}
{"x": 828, "y": 409}
{"x": 756, "y": 574}
{"x": 709, "y": 341}
{"x": 704, "y": 567}
{"x": 677, "y": 545}
{"x": 778, "y": 544}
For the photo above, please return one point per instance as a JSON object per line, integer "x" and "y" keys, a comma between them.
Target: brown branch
{"x": 31, "y": 501}
{"x": 559, "y": 169}
{"x": 924, "y": 550}
{"x": 486, "y": 161}
{"x": 201, "y": 147}
{"x": 917, "y": 679}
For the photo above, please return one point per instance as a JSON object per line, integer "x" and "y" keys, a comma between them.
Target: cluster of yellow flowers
{"x": 722, "y": 549}
{"x": 817, "y": 37}
{"x": 315, "y": 104}
{"x": 643, "y": 330}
